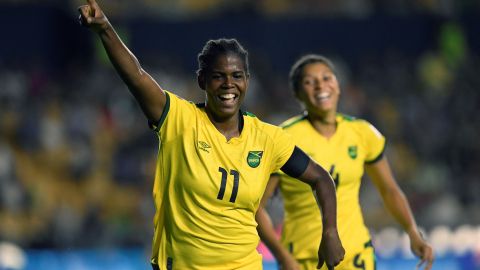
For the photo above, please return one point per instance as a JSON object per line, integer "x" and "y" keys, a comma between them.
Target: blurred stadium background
{"x": 77, "y": 158}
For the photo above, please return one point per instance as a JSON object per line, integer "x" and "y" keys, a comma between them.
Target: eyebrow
{"x": 233, "y": 72}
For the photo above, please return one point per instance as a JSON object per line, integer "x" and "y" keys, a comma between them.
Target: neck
{"x": 325, "y": 124}
{"x": 230, "y": 127}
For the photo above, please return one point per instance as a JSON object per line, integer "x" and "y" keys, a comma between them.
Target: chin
{"x": 227, "y": 112}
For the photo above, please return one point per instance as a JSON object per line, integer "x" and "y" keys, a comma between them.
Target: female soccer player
{"x": 214, "y": 160}
{"x": 346, "y": 146}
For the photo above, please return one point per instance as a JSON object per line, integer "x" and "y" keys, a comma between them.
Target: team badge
{"x": 352, "y": 151}
{"x": 204, "y": 146}
{"x": 253, "y": 158}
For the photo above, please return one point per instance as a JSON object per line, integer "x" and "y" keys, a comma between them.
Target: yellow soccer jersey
{"x": 207, "y": 189}
{"x": 355, "y": 142}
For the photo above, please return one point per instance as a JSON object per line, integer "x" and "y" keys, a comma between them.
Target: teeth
{"x": 227, "y": 96}
{"x": 323, "y": 95}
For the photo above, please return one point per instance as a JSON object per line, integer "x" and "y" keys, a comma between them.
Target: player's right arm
{"x": 148, "y": 93}
{"x": 267, "y": 232}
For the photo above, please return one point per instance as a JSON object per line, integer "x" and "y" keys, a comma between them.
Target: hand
{"x": 331, "y": 251}
{"x": 92, "y": 16}
{"x": 288, "y": 262}
{"x": 422, "y": 250}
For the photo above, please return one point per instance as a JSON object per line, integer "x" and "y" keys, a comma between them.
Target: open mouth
{"x": 228, "y": 99}
{"x": 323, "y": 96}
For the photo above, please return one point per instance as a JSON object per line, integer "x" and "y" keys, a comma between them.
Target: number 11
{"x": 223, "y": 184}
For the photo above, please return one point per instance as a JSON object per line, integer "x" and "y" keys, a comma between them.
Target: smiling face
{"x": 318, "y": 89}
{"x": 225, "y": 84}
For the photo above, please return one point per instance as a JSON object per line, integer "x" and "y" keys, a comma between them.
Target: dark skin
{"x": 225, "y": 83}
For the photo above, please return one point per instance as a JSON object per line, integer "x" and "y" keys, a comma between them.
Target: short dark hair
{"x": 216, "y": 47}
{"x": 296, "y": 71}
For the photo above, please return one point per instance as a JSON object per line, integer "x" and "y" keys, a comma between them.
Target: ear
{"x": 201, "y": 80}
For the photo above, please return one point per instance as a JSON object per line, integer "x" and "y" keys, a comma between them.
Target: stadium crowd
{"x": 77, "y": 157}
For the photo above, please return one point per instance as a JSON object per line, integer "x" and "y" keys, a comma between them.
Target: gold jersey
{"x": 207, "y": 189}
{"x": 354, "y": 143}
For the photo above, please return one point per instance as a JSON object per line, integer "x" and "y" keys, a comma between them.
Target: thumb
{"x": 84, "y": 11}
{"x": 85, "y": 18}
{"x": 321, "y": 261}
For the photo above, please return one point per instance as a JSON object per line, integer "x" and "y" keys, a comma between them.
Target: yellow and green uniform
{"x": 207, "y": 189}
{"x": 354, "y": 143}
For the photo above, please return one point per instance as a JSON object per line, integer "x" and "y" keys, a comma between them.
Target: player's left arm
{"x": 397, "y": 204}
{"x": 302, "y": 167}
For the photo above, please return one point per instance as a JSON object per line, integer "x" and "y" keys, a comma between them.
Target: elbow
{"x": 137, "y": 79}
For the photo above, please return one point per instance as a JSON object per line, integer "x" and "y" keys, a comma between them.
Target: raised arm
{"x": 397, "y": 204}
{"x": 302, "y": 167}
{"x": 144, "y": 88}
{"x": 266, "y": 231}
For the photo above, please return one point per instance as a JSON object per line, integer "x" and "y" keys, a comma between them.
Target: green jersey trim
{"x": 156, "y": 126}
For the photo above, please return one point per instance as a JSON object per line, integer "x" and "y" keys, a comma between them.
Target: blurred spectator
{"x": 76, "y": 158}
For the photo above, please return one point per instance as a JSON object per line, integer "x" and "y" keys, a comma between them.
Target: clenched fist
{"x": 92, "y": 16}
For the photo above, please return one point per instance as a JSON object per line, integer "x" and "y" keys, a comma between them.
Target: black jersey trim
{"x": 368, "y": 244}
{"x": 169, "y": 263}
{"x": 157, "y": 125}
{"x": 379, "y": 157}
{"x": 296, "y": 164}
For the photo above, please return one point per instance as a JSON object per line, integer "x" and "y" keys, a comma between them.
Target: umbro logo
{"x": 204, "y": 146}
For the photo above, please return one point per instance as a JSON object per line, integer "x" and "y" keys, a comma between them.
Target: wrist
{"x": 414, "y": 234}
{"x": 105, "y": 29}
{"x": 332, "y": 230}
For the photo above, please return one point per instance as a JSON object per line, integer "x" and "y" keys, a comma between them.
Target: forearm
{"x": 146, "y": 91}
{"x": 267, "y": 233}
{"x": 122, "y": 58}
{"x": 324, "y": 190}
{"x": 397, "y": 204}
{"x": 326, "y": 199}
{"x": 330, "y": 251}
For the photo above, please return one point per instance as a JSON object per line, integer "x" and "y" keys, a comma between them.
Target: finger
{"x": 85, "y": 13}
{"x": 429, "y": 259}
{"x": 321, "y": 261}
{"x": 93, "y": 4}
{"x": 426, "y": 256}
{"x": 419, "y": 264}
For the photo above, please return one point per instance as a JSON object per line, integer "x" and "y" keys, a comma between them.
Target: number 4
{"x": 223, "y": 184}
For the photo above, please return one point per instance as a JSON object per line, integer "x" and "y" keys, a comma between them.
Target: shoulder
{"x": 359, "y": 125}
{"x": 293, "y": 121}
{"x": 177, "y": 101}
{"x": 260, "y": 126}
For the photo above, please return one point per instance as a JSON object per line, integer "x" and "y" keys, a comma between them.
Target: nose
{"x": 228, "y": 83}
{"x": 318, "y": 84}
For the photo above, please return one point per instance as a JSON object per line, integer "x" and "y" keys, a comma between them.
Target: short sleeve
{"x": 374, "y": 142}
{"x": 155, "y": 126}
{"x": 176, "y": 117}
{"x": 283, "y": 149}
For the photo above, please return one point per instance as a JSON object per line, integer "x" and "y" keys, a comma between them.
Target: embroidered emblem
{"x": 352, "y": 151}
{"x": 253, "y": 158}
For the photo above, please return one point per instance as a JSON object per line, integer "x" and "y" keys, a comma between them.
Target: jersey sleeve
{"x": 283, "y": 149}
{"x": 176, "y": 117}
{"x": 374, "y": 142}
